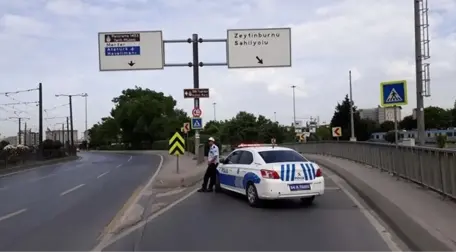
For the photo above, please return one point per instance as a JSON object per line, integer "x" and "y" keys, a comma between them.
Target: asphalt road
{"x": 224, "y": 222}
{"x": 66, "y": 206}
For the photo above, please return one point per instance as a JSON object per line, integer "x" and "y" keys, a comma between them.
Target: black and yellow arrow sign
{"x": 176, "y": 144}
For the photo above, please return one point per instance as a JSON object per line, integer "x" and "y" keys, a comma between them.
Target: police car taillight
{"x": 318, "y": 173}
{"x": 270, "y": 174}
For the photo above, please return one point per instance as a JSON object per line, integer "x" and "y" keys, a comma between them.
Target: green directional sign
{"x": 176, "y": 144}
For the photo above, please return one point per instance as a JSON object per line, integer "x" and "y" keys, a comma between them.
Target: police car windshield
{"x": 279, "y": 156}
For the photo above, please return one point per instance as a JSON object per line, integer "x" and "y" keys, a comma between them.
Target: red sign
{"x": 196, "y": 112}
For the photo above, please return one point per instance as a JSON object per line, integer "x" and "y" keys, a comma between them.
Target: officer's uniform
{"x": 211, "y": 170}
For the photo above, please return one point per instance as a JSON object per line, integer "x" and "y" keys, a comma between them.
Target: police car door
{"x": 227, "y": 170}
{"x": 242, "y": 168}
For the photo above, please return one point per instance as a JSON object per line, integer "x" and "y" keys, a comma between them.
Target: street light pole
{"x": 294, "y": 106}
{"x": 352, "y": 120}
{"x": 215, "y": 114}
{"x": 85, "y": 132}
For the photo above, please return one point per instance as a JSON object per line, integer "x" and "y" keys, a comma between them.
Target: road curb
{"x": 412, "y": 234}
{"x": 182, "y": 182}
{"x": 28, "y": 167}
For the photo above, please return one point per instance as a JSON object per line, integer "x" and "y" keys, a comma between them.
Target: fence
{"x": 430, "y": 167}
{"x": 12, "y": 158}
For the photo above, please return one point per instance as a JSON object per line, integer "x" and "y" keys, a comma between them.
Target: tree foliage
{"x": 143, "y": 118}
{"x": 139, "y": 117}
{"x": 435, "y": 118}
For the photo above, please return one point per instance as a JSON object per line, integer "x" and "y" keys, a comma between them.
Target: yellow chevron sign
{"x": 176, "y": 144}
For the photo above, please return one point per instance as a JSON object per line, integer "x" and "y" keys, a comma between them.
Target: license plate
{"x": 299, "y": 187}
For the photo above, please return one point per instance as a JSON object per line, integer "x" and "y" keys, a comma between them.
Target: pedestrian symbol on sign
{"x": 197, "y": 123}
{"x": 394, "y": 96}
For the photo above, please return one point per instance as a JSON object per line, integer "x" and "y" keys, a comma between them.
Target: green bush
{"x": 441, "y": 141}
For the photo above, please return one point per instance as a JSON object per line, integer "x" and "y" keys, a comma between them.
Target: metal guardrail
{"x": 430, "y": 167}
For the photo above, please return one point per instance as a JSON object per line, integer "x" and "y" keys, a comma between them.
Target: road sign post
{"x": 337, "y": 132}
{"x": 247, "y": 48}
{"x": 176, "y": 147}
{"x": 196, "y": 112}
{"x": 121, "y": 51}
{"x": 258, "y": 48}
{"x": 394, "y": 94}
{"x": 196, "y": 93}
{"x": 186, "y": 129}
{"x": 197, "y": 123}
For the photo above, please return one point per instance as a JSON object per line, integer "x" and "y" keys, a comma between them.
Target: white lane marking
{"x": 119, "y": 166}
{"x": 72, "y": 189}
{"x": 44, "y": 177}
{"x": 109, "y": 239}
{"x": 381, "y": 230}
{"x": 12, "y": 214}
{"x": 169, "y": 193}
{"x": 130, "y": 158}
{"x": 101, "y": 175}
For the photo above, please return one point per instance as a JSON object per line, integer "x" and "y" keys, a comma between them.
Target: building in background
{"x": 62, "y": 136}
{"x": 29, "y": 138}
{"x": 11, "y": 139}
{"x": 380, "y": 115}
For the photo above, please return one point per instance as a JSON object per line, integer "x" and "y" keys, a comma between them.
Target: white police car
{"x": 267, "y": 172}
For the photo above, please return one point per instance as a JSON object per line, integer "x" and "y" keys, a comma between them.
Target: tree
{"x": 386, "y": 126}
{"x": 139, "y": 117}
{"x": 408, "y": 123}
{"x": 341, "y": 118}
{"x": 324, "y": 133}
{"x": 247, "y": 128}
{"x": 437, "y": 118}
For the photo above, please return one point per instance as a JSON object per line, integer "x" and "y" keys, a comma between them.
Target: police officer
{"x": 211, "y": 171}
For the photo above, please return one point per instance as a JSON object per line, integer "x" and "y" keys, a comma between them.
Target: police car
{"x": 268, "y": 172}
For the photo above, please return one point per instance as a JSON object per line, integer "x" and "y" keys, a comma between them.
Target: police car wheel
{"x": 308, "y": 200}
{"x": 252, "y": 195}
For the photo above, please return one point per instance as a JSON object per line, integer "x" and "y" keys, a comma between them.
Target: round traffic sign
{"x": 196, "y": 112}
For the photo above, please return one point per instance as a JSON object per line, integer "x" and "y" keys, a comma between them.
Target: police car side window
{"x": 233, "y": 158}
{"x": 246, "y": 158}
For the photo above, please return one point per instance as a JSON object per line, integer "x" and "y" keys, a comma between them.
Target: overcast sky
{"x": 55, "y": 42}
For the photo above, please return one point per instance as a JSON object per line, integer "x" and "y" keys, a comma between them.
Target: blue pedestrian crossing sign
{"x": 197, "y": 123}
{"x": 393, "y": 93}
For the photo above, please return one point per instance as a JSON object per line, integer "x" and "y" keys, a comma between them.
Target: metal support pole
{"x": 62, "y": 140}
{"x": 419, "y": 77}
{"x": 195, "y": 66}
{"x": 68, "y": 131}
{"x": 40, "y": 115}
{"x": 85, "y": 132}
{"x": 352, "y": 120}
{"x": 396, "y": 134}
{"x": 294, "y": 106}
{"x": 177, "y": 164}
{"x": 71, "y": 120}
{"x": 25, "y": 133}
{"x": 215, "y": 113}
{"x": 19, "y": 133}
